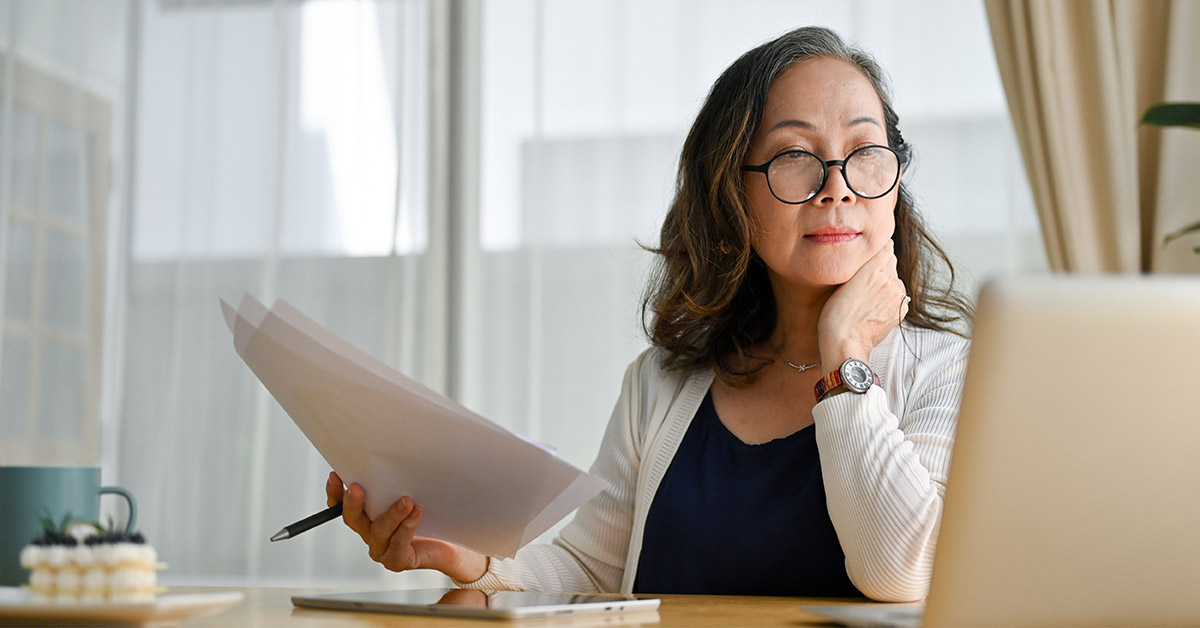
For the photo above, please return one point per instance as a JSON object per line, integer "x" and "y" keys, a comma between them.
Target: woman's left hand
{"x": 862, "y": 311}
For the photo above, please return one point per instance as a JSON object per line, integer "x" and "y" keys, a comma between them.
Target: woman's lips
{"x": 831, "y": 235}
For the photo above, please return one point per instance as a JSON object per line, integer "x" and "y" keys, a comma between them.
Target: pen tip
{"x": 281, "y": 535}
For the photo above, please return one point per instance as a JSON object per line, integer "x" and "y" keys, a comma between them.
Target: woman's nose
{"x": 835, "y": 187}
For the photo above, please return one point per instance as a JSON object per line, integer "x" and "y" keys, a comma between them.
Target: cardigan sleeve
{"x": 885, "y": 475}
{"x": 589, "y": 554}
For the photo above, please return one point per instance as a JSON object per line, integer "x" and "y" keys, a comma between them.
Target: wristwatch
{"x": 854, "y": 374}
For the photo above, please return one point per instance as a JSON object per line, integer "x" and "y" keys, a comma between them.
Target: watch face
{"x": 856, "y": 375}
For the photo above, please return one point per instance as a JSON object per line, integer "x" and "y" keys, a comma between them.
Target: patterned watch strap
{"x": 832, "y": 380}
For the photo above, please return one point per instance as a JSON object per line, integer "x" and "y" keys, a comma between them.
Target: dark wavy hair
{"x": 709, "y": 299}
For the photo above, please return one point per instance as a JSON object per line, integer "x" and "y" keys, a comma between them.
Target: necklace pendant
{"x": 803, "y": 367}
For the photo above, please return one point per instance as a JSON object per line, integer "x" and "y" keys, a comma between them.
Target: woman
{"x": 790, "y": 430}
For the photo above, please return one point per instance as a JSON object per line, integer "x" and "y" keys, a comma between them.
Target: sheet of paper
{"x": 480, "y": 485}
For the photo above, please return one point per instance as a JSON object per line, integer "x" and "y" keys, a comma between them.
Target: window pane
{"x": 25, "y": 160}
{"x": 65, "y": 285}
{"x": 341, "y": 171}
{"x": 14, "y": 388}
{"x": 275, "y": 129}
{"x": 62, "y": 393}
{"x": 18, "y": 287}
{"x": 208, "y": 123}
{"x": 66, "y": 172}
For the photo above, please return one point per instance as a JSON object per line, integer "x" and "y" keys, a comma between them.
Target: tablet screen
{"x": 476, "y": 603}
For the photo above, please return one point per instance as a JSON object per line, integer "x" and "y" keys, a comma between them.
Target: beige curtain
{"x": 1078, "y": 75}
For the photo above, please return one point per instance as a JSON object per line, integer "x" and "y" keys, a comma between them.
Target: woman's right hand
{"x": 391, "y": 537}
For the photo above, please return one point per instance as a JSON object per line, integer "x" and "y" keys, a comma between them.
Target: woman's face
{"x": 825, "y": 106}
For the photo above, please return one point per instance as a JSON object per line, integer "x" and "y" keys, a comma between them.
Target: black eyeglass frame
{"x": 840, "y": 163}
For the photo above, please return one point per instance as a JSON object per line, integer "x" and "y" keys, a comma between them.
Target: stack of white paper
{"x": 480, "y": 485}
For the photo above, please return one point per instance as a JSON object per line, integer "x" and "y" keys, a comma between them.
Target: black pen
{"x": 310, "y": 522}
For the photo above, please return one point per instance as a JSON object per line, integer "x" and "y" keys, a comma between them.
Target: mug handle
{"x": 129, "y": 527}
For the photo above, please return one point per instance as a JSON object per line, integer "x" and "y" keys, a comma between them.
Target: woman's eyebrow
{"x": 865, "y": 120}
{"x": 791, "y": 123}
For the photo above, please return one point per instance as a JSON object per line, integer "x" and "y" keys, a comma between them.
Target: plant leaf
{"x": 47, "y": 521}
{"x": 1195, "y": 226}
{"x": 1184, "y": 114}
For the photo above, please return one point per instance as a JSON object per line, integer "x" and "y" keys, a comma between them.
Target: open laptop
{"x": 483, "y": 604}
{"x": 1074, "y": 491}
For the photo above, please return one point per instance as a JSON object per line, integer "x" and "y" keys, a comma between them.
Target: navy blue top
{"x": 737, "y": 519}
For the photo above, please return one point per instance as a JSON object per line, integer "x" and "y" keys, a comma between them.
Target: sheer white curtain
{"x": 281, "y": 150}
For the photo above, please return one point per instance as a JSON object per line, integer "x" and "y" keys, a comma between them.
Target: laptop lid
{"x": 480, "y": 604}
{"x": 1072, "y": 496}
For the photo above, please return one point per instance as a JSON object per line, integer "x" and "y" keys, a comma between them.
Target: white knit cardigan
{"x": 884, "y": 458}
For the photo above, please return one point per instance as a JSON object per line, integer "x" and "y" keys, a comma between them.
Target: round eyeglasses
{"x": 797, "y": 176}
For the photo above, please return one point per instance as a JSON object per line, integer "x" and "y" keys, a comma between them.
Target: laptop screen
{"x": 1071, "y": 495}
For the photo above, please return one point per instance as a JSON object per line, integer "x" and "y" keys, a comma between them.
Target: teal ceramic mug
{"x": 27, "y": 494}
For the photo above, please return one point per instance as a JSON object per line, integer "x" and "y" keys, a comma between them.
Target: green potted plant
{"x": 1185, "y": 115}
